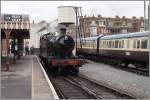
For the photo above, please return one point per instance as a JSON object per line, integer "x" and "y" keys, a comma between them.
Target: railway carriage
{"x": 90, "y": 46}
{"x": 129, "y": 48}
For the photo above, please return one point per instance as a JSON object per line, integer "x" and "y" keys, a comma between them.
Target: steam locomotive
{"x": 56, "y": 53}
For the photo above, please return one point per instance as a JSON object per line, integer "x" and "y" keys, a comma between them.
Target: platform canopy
{"x": 18, "y": 24}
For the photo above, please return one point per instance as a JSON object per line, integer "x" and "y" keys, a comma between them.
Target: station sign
{"x": 14, "y": 21}
{"x": 13, "y": 18}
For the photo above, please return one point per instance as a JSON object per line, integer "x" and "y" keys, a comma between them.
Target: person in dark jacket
{"x": 27, "y": 50}
{"x": 32, "y": 50}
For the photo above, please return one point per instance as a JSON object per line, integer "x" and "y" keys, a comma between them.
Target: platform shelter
{"x": 14, "y": 29}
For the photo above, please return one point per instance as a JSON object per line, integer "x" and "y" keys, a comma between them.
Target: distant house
{"x": 111, "y": 25}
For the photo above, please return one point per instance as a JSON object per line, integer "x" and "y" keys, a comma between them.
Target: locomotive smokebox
{"x": 65, "y": 44}
{"x": 62, "y": 44}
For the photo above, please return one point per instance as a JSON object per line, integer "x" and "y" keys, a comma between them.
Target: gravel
{"x": 131, "y": 83}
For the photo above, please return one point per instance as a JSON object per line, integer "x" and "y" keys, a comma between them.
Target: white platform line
{"x": 49, "y": 83}
{"x": 32, "y": 91}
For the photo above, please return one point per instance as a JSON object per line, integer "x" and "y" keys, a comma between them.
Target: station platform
{"x": 26, "y": 80}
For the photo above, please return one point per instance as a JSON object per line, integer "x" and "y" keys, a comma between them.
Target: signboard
{"x": 13, "y": 17}
{"x": 15, "y": 21}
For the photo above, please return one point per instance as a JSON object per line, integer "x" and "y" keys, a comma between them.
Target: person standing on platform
{"x": 32, "y": 50}
{"x": 27, "y": 50}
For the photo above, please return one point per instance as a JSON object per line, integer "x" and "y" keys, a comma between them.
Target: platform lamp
{"x": 7, "y": 33}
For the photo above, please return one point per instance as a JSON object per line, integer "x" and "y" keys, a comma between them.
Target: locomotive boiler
{"x": 56, "y": 53}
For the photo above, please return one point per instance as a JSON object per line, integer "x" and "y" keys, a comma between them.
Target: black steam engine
{"x": 56, "y": 53}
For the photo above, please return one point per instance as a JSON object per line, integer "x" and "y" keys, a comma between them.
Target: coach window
{"x": 89, "y": 43}
{"x": 116, "y": 43}
{"x": 144, "y": 43}
{"x": 134, "y": 43}
{"x": 122, "y": 44}
{"x": 138, "y": 43}
{"x": 109, "y": 46}
{"x": 104, "y": 44}
{"x": 100, "y": 43}
{"x": 128, "y": 42}
{"x": 113, "y": 44}
{"x": 119, "y": 44}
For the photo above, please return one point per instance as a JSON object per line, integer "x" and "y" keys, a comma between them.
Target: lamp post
{"x": 149, "y": 16}
{"x": 144, "y": 15}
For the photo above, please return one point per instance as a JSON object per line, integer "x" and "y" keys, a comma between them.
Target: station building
{"x": 111, "y": 25}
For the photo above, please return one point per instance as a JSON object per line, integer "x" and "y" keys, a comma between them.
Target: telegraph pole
{"x": 149, "y": 16}
{"x": 149, "y": 29}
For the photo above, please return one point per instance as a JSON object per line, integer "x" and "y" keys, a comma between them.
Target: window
{"x": 138, "y": 43}
{"x": 109, "y": 44}
{"x": 93, "y": 30}
{"x": 119, "y": 44}
{"x": 116, "y": 43}
{"x": 106, "y": 44}
{"x": 122, "y": 44}
{"x": 128, "y": 42}
{"x": 124, "y": 31}
{"x": 134, "y": 44}
{"x": 110, "y": 23}
{"x": 129, "y": 24}
{"x": 142, "y": 30}
{"x": 103, "y": 44}
{"x": 124, "y": 23}
{"x": 113, "y": 44}
{"x": 144, "y": 43}
{"x": 142, "y": 23}
{"x": 100, "y": 23}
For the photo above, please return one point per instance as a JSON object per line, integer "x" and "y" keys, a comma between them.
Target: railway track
{"x": 68, "y": 89}
{"x": 100, "y": 90}
{"x": 78, "y": 87}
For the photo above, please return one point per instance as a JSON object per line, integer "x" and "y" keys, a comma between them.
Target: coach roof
{"x": 126, "y": 35}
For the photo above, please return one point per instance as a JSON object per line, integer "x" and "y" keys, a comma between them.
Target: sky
{"x": 47, "y": 10}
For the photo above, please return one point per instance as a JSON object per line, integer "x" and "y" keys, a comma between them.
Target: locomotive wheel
{"x": 55, "y": 70}
{"x": 74, "y": 71}
{"x": 65, "y": 71}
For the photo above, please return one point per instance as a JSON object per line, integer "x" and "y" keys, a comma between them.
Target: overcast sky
{"x": 47, "y": 10}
